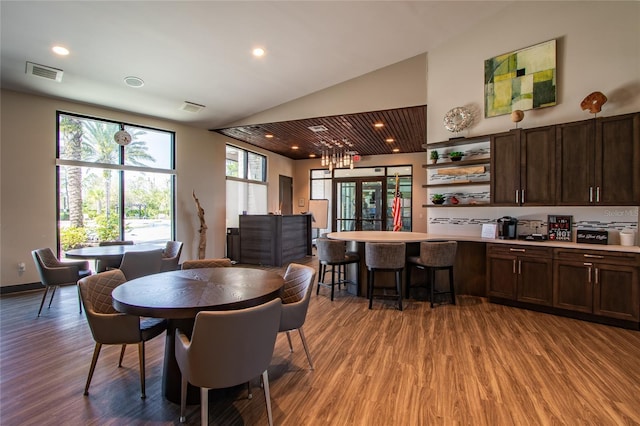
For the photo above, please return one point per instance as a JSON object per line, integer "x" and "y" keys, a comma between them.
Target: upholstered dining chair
{"x": 227, "y": 348}
{"x": 104, "y": 264}
{"x": 385, "y": 257}
{"x": 434, "y": 256}
{"x": 136, "y": 264}
{"x": 207, "y": 263}
{"x": 334, "y": 253}
{"x": 110, "y": 327}
{"x": 171, "y": 256}
{"x": 54, "y": 273}
{"x": 295, "y": 295}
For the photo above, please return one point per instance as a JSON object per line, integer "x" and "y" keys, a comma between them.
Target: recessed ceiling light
{"x": 133, "y": 81}
{"x": 396, "y": 149}
{"x": 389, "y": 140}
{"x": 268, "y": 136}
{"x": 378, "y": 125}
{"x": 258, "y": 52}
{"x": 294, "y": 147}
{"x": 312, "y": 156}
{"x": 59, "y": 50}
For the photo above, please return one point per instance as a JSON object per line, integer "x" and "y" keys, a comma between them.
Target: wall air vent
{"x": 191, "y": 107}
{"x": 43, "y": 71}
{"x": 319, "y": 128}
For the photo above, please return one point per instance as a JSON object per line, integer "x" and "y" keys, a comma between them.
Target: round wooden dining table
{"x": 109, "y": 254}
{"x": 179, "y": 295}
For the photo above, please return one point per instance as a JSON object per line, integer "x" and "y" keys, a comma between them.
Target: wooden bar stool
{"x": 434, "y": 256}
{"x": 385, "y": 257}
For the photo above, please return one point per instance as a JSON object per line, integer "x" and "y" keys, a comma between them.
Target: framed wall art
{"x": 520, "y": 80}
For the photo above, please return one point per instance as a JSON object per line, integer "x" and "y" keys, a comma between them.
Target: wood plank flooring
{"x": 474, "y": 363}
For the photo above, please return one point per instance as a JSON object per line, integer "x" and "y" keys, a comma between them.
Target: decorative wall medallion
{"x": 457, "y": 119}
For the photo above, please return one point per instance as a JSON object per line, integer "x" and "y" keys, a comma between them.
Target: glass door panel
{"x": 372, "y": 208}
{"x": 359, "y": 204}
{"x": 346, "y": 202}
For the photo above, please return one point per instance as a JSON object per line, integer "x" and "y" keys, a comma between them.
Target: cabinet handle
{"x": 522, "y": 197}
{"x": 589, "y": 272}
{"x": 597, "y": 279}
{"x": 517, "y": 250}
{"x": 593, "y": 256}
{"x": 514, "y": 266}
{"x": 597, "y": 194}
{"x": 591, "y": 194}
{"x": 517, "y": 198}
{"x": 519, "y": 267}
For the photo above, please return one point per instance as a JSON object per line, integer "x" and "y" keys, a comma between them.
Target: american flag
{"x": 396, "y": 208}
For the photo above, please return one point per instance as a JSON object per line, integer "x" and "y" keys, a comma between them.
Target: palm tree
{"x": 71, "y": 129}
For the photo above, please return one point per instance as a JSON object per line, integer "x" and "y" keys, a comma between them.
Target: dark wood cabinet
{"x": 523, "y": 167}
{"x": 520, "y": 273}
{"x": 597, "y": 282}
{"x": 598, "y": 161}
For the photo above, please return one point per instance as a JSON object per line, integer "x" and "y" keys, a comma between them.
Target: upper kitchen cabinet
{"x": 598, "y": 161}
{"x": 524, "y": 167}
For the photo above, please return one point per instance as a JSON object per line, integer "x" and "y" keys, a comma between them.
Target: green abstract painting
{"x": 524, "y": 79}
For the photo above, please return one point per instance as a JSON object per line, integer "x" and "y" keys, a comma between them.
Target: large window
{"x": 246, "y": 184}
{"x": 110, "y": 192}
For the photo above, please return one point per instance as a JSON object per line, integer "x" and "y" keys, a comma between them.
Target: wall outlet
{"x": 22, "y": 267}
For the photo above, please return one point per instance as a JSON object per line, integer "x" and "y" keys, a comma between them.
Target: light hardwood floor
{"x": 474, "y": 363}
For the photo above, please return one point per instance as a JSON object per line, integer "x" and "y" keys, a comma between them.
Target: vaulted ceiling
{"x": 200, "y": 52}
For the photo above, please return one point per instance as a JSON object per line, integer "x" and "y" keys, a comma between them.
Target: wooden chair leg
{"x": 79, "y": 297}
{"x": 289, "y": 340}
{"x": 53, "y": 293}
{"x": 399, "y": 287}
{"x": 183, "y": 398}
{"x": 451, "y": 286}
{"x": 432, "y": 284}
{"x": 121, "y": 355}
{"x": 94, "y": 360}
{"x": 333, "y": 280}
{"x": 204, "y": 406}
{"x": 370, "y": 288}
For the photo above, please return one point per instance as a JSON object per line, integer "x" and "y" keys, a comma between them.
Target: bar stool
{"x": 385, "y": 257}
{"x": 334, "y": 253}
{"x": 434, "y": 256}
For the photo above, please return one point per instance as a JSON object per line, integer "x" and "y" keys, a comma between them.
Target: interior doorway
{"x": 285, "y": 184}
{"x": 360, "y": 204}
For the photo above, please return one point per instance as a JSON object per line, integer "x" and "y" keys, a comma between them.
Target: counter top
{"x": 388, "y": 236}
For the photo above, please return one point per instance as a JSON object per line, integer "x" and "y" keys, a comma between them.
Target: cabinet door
{"x": 574, "y": 163}
{"x": 501, "y": 271}
{"x": 572, "y": 286}
{"x": 616, "y": 292}
{"x": 617, "y": 159}
{"x": 538, "y": 171}
{"x": 505, "y": 168}
{"x": 535, "y": 280}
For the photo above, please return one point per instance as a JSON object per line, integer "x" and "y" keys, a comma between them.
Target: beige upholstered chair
{"x": 171, "y": 256}
{"x": 110, "y": 327}
{"x": 104, "y": 264}
{"x": 385, "y": 257}
{"x": 434, "y": 256}
{"x": 54, "y": 272}
{"x": 295, "y": 295}
{"x": 227, "y": 348}
{"x": 334, "y": 253}
{"x": 136, "y": 264}
{"x": 206, "y": 263}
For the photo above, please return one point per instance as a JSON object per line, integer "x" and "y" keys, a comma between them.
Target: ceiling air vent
{"x": 191, "y": 107}
{"x": 319, "y": 128}
{"x": 43, "y": 71}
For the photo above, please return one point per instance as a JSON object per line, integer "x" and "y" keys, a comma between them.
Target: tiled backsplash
{"x": 469, "y": 220}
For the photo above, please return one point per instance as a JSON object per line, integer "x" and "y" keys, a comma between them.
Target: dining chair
{"x": 334, "y": 253}
{"x": 104, "y": 264}
{"x": 110, "y": 327}
{"x": 207, "y": 263}
{"x": 136, "y": 264}
{"x": 434, "y": 256}
{"x": 227, "y": 348}
{"x": 54, "y": 273}
{"x": 171, "y": 256}
{"x": 295, "y": 295}
{"x": 385, "y": 257}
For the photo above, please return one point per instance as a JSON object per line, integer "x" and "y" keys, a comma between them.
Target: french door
{"x": 360, "y": 204}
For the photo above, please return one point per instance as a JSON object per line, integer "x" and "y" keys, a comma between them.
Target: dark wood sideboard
{"x": 274, "y": 239}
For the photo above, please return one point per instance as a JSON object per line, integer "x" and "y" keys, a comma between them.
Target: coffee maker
{"x": 507, "y": 228}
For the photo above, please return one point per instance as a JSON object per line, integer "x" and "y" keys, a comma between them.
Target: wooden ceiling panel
{"x": 353, "y": 132}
